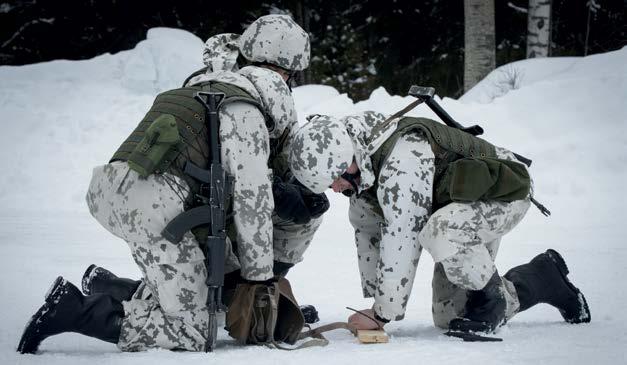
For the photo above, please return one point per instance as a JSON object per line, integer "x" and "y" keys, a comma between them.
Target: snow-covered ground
{"x": 61, "y": 118}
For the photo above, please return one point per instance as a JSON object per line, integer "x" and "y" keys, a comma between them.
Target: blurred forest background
{"x": 357, "y": 45}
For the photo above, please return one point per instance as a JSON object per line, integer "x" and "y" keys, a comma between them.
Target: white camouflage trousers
{"x": 392, "y": 229}
{"x": 463, "y": 239}
{"x": 169, "y": 309}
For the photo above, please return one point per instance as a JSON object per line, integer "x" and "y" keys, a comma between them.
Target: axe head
{"x": 421, "y": 92}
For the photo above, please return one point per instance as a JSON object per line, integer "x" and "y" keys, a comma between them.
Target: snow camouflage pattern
{"x": 326, "y": 159}
{"x": 245, "y": 139}
{"x": 467, "y": 237}
{"x": 394, "y": 224}
{"x": 275, "y": 96}
{"x": 264, "y": 85}
{"x": 386, "y": 229}
{"x": 168, "y": 309}
{"x": 221, "y": 51}
{"x": 321, "y": 151}
{"x": 278, "y": 40}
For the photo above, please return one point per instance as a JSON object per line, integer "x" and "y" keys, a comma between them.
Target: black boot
{"x": 485, "y": 309}
{"x": 543, "y": 280}
{"x": 100, "y": 280}
{"x": 67, "y": 310}
{"x": 310, "y": 313}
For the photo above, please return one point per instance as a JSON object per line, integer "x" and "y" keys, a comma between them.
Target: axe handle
{"x": 475, "y": 130}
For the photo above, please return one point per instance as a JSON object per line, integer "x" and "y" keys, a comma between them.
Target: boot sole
{"x": 85, "y": 281}
{"x": 30, "y": 331}
{"x": 559, "y": 262}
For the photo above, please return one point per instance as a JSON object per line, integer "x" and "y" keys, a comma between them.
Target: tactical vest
{"x": 174, "y": 132}
{"x": 466, "y": 167}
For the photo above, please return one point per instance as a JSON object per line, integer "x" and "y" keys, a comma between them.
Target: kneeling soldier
{"x": 416, "y": 183}
{"x": 147, "y": 184}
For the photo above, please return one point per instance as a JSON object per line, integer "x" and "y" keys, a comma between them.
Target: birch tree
{"x": 592, "y": 9}
{"x": 538, "y": 28}
{"x": 479, "y": 51}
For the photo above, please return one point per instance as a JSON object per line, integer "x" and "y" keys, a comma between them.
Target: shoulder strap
{"x": 196, "y": 73}
{"x": 398, "y": 114}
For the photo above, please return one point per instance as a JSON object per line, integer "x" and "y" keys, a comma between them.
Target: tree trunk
{"x": 301, "y": 14}
{"x": 479, "y": 51}
{"x": 538, "y": 28}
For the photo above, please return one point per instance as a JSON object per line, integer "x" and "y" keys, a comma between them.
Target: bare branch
{"x": 517, "y": 8}
{"x": 26, "y": 25}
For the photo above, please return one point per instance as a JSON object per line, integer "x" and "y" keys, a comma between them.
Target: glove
{"x": 316, "y": 203}
{"x": 289, "y": 203}
{"x": 296, "y": 203}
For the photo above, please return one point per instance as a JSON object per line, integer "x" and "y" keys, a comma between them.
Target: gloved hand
{"x": 296, "y": 203}
{"x": 316, "y": 203}
{"x": 289, "y": 203}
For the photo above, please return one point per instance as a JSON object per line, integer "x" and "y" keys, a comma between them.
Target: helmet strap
{"x": 290, "y": 79}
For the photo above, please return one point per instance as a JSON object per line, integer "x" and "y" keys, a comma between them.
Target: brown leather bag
{"x": 264, "y": 314}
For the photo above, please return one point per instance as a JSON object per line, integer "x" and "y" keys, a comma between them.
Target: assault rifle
{"x": 215, "y": 192}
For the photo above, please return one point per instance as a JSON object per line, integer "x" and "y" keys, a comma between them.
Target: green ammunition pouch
{"x": 262, "y": 313}
{"x": 472, "y": 179}
{"x": 159, "y": 146}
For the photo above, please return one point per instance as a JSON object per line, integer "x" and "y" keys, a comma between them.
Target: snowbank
{"x": 528, "y": 72}
{"x": 61, "y": 118}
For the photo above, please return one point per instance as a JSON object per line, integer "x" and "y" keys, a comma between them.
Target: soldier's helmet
{"x": 321, "y": 151}
{"x": 278, "y": 40}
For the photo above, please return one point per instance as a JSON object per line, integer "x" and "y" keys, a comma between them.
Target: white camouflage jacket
{"x": 387, "y": 221}
{"x": 245, "y": 141}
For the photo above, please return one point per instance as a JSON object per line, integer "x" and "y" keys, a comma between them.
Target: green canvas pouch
{"x": 290, "y": 320}
{"x": 252, "y": 314}
{"x": 263, "y": 314}
{"x": 158, "y": 148}
{"x": 474, "y": 179}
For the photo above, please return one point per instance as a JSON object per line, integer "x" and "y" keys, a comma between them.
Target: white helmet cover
{"x": 278, "y": 40}
{"x": 221, "y": 51}
{"x": 320, "y": 152}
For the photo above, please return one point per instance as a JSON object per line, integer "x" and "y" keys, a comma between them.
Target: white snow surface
{"x": 61, "y": 118}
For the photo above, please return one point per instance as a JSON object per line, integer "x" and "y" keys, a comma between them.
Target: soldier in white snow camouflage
{"x": 398, "y": 173}
{"x": 167, "y": 308}
{"x": 278, "y": 40}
